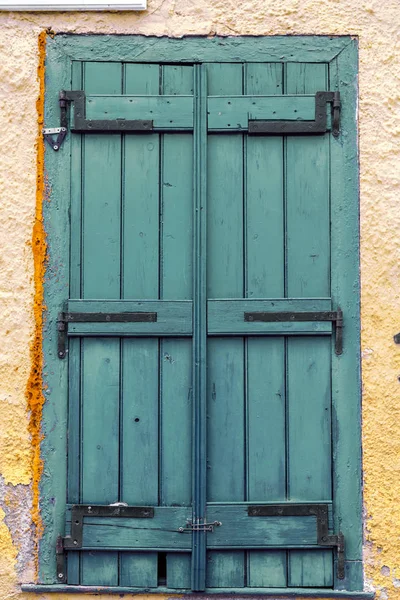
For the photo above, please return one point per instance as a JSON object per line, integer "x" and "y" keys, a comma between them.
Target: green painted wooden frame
{"x": 342, "y": 54}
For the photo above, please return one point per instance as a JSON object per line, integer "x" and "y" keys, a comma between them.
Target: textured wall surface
{"x": 377, "y": 24}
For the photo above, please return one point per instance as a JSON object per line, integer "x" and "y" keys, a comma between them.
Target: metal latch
{"x": 48, "y": 134}
{"x": 198, "y": 526}
{"x": 74, "y": 317}
{"x": 280, "y": 317}
{"x": 324, "y": 538}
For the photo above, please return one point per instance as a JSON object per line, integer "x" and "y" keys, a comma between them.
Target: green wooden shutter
{"x": 205, "y": 412}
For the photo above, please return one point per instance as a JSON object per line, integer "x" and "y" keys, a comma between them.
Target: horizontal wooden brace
{"x": 226, "y": 317}
{"x": 164, "y": 112}
{"x": 234, "y": 112}
{"x": 123, "y": 318}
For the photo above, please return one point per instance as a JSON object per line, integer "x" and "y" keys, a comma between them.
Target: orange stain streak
{"x": 34, "y": 390}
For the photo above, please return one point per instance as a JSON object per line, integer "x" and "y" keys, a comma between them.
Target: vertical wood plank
{"x": 176, "y": 283}
{"x": 140, "y": 280}
{"x": 100, "y": 441}
{"x": 308, "y": 274}
{"x": 74, "y": 345}
{"x": 101, "y": 254}
{"x": 307, "y": 196}
{"x": 266, "y": 447}
{"x": 101, "y": 250}
{"x": 199, "y": 368}
{"x": 225, "y": 248}
{"x": 139, "y": 448}
{"x": 346, "y": 376}
{"x": 309, "y": 445}
{"x": 265, "y": 278}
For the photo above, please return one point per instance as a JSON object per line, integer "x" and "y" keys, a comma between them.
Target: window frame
{"x": 342, "y": 54}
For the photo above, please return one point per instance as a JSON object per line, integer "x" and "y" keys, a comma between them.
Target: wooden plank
{"x": 199, "y": 359}
{"x": 100, "y": 441}
{"x": 173, "y": 318}
{"x": 139, "y": 433}
{"x": 264, "y": 277}
{"x": 346, "y": 377}
{"x": 235, "y": 49}
{"x": 266, "y": 470}
{"x": 140, "y": 279}
{"x": 101, "y": 252}
{"x": 225, "y": 239}
{"x": 234, "y": 112}
{"x": 264, "y": 196}
{"x": 313, "y": 568}
{"x": 227, "y": 317}
{"x": 309, "y": 441}
{"x": 141, "y": 197}
{"x": 101, "y": 279}
{"x": 307, "y": 196}
{"x": 161, "y": 532}
{"x": 166, "y": 112}
{"x": 308, "y": 256}
{"x": 74, "y": 346}
{"x": 239, "y": 530}
{"x": 176, "y": 355}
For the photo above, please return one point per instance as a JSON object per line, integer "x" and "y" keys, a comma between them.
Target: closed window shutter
{"x": 198, "y": 211}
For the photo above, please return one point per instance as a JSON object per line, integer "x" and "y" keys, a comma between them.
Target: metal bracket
{"x": 280, "y": 317}
{"x": 78, "y": 512}
{"x": 190, "y": 526}
{"x": 316, "y": 127}
{"x": 125, "y": 317}
{"x": 50, "y": 132}
{"x": 81, "y": 124}
{"x": 324, "y": 538}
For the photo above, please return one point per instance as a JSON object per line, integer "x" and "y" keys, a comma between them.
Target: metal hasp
{"x": 324, "y": 538}
{"x": 190, "y": 526}
{"x": 78, "y": 512}
{"x": 317, "y": 127}
{"x": 81, "y": 124}
{"x": 280, "y": 317}
{"x": 74, "y": 317}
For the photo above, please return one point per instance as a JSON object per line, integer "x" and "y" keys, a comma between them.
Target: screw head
{"x": 55, "y": 147}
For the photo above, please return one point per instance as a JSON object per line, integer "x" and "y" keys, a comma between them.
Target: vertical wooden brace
{"x": 199, "y": 328}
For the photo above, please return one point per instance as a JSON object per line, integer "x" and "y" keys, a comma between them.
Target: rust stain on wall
{"x": 34, "y": 390}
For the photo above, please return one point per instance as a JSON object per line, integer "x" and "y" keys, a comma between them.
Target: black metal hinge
{"x": 280, "y": 317}
{"x": 74, "y": 317}
{"x": 81, "y": 124}
{"x": 318, "y": 126}
{"x": 324, "y": 538}
{"x": 78, "y": 512}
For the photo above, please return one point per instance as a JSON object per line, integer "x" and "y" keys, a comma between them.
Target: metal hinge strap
{"x": 318, "y": 126}
{"x": 75, "y": 317}
{"x": 78, "y": 512}
{"x": 280, "y": 317}
{"x": 324, "y": 538}
{"x": 81, "y": 124}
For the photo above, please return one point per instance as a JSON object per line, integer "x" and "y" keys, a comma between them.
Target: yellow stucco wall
{"x": 377, "y": 24}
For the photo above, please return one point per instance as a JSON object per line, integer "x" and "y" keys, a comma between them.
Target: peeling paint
{"x": 34, "y": 390}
